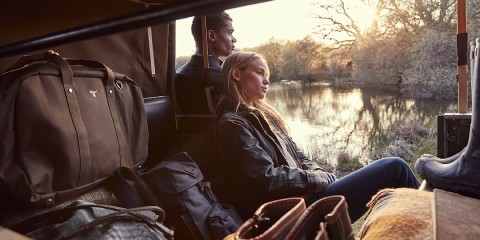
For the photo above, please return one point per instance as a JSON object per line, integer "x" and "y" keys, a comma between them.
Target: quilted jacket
{"x": 262, "y": 166}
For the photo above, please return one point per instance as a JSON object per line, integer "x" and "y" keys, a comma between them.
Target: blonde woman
{"x": 261, "y": 161}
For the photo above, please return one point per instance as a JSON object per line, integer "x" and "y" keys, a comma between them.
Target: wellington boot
{"x": 463, "y": 174}
{"x": 425, "y": 158}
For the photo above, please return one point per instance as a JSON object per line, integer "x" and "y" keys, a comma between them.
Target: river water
{"x": 325, "y": 120}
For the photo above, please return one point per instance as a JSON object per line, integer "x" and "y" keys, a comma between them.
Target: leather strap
{"x": 132, "y": 214}
{"x": 272, "y": 220}
{"x": 28, "y": 59}
{"x": 76, "y": 115}
{"x": 326, "y": 215}
{"x": 339, "y": 225}
{"x": 62, "y": 214}
{"x": 110, "y": 93}
{"x": 131, "y": 190}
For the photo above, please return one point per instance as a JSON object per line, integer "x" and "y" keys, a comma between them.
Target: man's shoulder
{"x": 191, "y": 66}
{"x": 188, "y": 69}
{"x": 196, "y": 64}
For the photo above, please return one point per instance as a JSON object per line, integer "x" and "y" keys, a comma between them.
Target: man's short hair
{"x": 215, "y": 21}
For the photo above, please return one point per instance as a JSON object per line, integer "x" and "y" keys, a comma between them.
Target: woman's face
{"x": 253, "y": 80}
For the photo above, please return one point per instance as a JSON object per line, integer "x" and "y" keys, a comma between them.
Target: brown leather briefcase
{"x": 65, "y": 126}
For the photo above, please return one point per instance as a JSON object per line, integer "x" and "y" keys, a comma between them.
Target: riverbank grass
{"x": 408, "y": 140}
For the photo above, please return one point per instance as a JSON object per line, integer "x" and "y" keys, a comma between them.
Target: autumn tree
{"x": 303, "y": 59}
{"x": 294, "y": 60}
{"x": 272, "y": 51}
{"x": 340, "y": 65}
{"x": 432, "y": 69}
{"x": 411, "y": 42}
{"x": 473, "y": 18}
{"x": 381, "y": 61}
{"x": 412, "y": 15}
{"x": 336, "y": 24}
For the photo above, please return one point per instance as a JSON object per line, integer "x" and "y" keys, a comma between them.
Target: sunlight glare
{"x": 303, "y": 130}
{"x": 364, "y": 15}
{"x": 258, "y": 23}
{"x": 280, "y": 19}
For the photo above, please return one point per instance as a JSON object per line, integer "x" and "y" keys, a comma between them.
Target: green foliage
{"x": 347, "y": 164}
{"x": 432, "y": 69}
{"x": 428, "y": 146}
{"x": 272, "y": 51}
{"x": 407, "y": 140}
{"x": 302, "y": 59}
{"x": 386, "y": 60}
{"x": 410, "y": 45}
{"x": 294, "y": 60}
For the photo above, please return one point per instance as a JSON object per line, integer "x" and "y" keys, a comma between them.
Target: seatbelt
{"x": 150, "y": 47}
{"x": 208, "y": 87}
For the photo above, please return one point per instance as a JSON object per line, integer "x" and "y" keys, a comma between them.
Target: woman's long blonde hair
{"x": 233, "y": 92}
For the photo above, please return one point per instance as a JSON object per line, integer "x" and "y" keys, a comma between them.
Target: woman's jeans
{"x": 360, "y": 186}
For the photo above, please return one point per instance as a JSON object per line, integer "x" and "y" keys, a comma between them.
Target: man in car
{"x": 221, "y": 43}
{"x": 197, "y": 133}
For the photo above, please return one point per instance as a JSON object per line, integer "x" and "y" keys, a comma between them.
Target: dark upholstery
{"x": 190, "y": 82}
{"x": 190, "y": 95}
{"x": 195, "y": 122}
{"x": 161, "y": 129}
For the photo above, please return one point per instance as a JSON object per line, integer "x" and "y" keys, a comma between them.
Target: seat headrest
{"x": 161, "y": 127}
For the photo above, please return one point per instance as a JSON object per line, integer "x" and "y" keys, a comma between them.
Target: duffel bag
{"x": 65, "y": 126}
{"x": 176, "y": 184}
{"x": 85, "y": 220}
{"x": 190, "y": 204}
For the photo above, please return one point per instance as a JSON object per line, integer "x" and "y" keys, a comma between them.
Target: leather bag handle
{"x": 75, "y": 113}
{"x": 28, "y": 59}
{"x": 67, "y": 75}
{"x": 110, "y": 90}
{"x": 132, "y": 214}
{"x": 131, "y": 190}
{"x": 67, "y": 79}
{"x": 62, "y": 214}
{"x": 46, "y": 56}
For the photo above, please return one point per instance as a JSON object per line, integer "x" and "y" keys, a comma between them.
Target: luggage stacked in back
{"x": 65, "y": 126}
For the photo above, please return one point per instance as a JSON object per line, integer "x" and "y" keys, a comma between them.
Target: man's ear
{"x": 236, "y": 74}
{"x": 211, "y": 35}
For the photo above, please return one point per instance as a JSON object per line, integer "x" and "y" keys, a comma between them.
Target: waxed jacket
{"x": 194, "y": 70}
{"x": 189, "y": 88}
{"x": 262, "y": 166}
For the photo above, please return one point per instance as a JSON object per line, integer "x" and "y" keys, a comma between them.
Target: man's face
{"x": 222, "y": 42}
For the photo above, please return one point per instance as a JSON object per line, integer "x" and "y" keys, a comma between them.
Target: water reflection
{"x": 325, "y": 120}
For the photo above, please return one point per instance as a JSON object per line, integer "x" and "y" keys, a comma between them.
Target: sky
{"x": 256, "y": 24}
{"x": 281, "y": 19}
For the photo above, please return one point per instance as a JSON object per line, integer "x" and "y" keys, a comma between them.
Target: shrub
{"x": 407, "y": 140}
{"x": 432, "y": 69}
{"x": 346, "y": 164}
